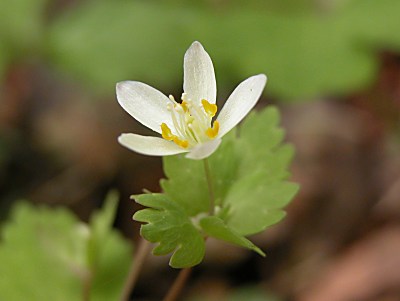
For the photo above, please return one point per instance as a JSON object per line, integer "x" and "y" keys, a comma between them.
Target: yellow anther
{"x": 211, "y": 109}
{"x": 166, "y": 132}
{"x": 184, "y": 105}
{"x": 213, "y": 132}
{"x": 167, "y": 135}
{"x": 181, "y": 143}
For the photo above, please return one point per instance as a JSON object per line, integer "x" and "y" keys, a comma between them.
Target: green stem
{"x": 87, "y": 285}
{"x": 210, "y": 186}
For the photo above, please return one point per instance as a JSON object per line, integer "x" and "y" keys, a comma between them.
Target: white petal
{"x": 204, "y": 150}
{"x": 240, "y": 102}
{"x": 144, "y": 103}
{"x": 199, "y": 77}
{"x": 152, "y": 146}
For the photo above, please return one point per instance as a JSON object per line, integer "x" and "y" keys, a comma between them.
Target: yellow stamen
{"x": 181, "y": 143}
{"x": 167, "y": 135}
{"x": 213, "y": 132}
{"x": 211, "y": 109}
{"x": 184, "y": 106}
{"x": 166, "y": 132}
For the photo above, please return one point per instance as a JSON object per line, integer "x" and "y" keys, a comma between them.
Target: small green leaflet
{"x": 215, "y": 227}
{"x": 248, "y": 171}
{"x": 168, "y": 224}
{"x": 48, "y": 254}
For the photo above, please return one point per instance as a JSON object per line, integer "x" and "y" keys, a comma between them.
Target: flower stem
{"x": 136, "y": 266}
{"x": 178, "y": 285}
{"x": 210, "y": 186}
{"x": 87, "y": 285}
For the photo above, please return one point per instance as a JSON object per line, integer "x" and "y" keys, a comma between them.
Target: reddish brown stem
{"x": 178, "y": 285}
{"x": 134, "y": 271}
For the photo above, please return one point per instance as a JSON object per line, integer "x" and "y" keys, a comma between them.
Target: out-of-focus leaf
{"x": 22, "y": 25}
{"x": 4, "y": 58}
{"x": 100, "y": 224}
{"x": 142, "y": 42}
{"x": 168, "y": 224}
{"x": 45, "y": 255}
{"x": 374, "y": 23}
{"x": 304, "y": 54}
{"x": 108, "y": 253}
{"x": 42, "y": 246}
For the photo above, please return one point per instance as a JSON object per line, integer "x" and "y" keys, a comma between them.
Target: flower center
{"x": 192, "y": 122}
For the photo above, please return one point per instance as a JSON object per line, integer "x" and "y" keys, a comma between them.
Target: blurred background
{"x": 334, "y": 72}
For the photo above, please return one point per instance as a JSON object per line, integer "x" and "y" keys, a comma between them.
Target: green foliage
{"x": 131, "y": 46}
{"x": 168, "y": 224}
{"x": 108, "y": 253}
{"x": 306, "y": 50}
{"x": 304, "y": 54}
{"x": 193, "y": 198}
{"x": 22, "y": 25}
{"x": 4, "y": 58}
{"x": 248, "y": 175}
{"x": 21, "y": 30}
{"x": 375, "y": 23}
{"x": 47, "y": 254}
{"x": 215, "y": 227}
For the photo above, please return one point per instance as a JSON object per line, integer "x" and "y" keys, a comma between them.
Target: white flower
{"x": 186, "y": 126}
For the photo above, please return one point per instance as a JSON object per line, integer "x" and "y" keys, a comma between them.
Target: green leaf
{"x": 375, "y": 23}
{"x": 248, "y": 172}
{"x": 135, "y": 45}
{"x": 193, "y": 198}
{"x": 255, "y": 200}
{"x": 22, "y": 25}
{"x": 304, "y": 55}
{"x": 254, "y": 203}
{"x": 168, "y": 224}
{"x": 109, "y": 254}
{"x": 224, "y": 166}
{"x": 44, "y": 254}
{"x": 264, "y": 152}
{"x": 215, "y": 227}
{"x": 100, "y": 225}
{"x": 4, "y": 60}
{"x": 248, "y": 176}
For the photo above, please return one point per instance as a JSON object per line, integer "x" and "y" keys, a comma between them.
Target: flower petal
{"x": 199, "y": 77}
{"x": 144, "y": 103}
{"x": 204, "y": 150}
{"x": 241, "y": 101}
{"x": 147, "y": 145}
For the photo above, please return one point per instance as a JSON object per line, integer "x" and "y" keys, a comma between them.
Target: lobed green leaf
{"x": 47, "y": 254}
{"x": 248, "y": 174}
{"x": 215, "y": 227}
{"x": 169, "y": 225}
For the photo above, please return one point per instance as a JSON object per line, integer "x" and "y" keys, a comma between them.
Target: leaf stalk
{"x": 210, "y": 186}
